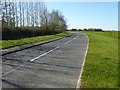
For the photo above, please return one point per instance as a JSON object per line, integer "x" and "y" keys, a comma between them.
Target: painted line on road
{"x": 12, "y": 70}
{"x": 44, "y": 54}
{"x": 31, "y": 61}
{"x": 75, "y": 38}
{"x": 68, "y": 41}
{"x": 80, "y": 76}
{"x": 71, "y": 40}
{"x": 37, "y": 57}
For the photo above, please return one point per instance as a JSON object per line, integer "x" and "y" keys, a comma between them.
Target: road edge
{"x": 26, "y": 46}
{"x": 78, "y": 85}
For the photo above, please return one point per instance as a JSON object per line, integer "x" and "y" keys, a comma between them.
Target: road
{"x": 53, "y": 65}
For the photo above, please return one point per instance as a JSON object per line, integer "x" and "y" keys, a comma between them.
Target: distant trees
{"x": 92, "y": 29}
{"x": 89, "y": 29}
{"x": 77, "y": 29}
{"x": 74, "y": 30}
{"x": 80, "y": 30}
{"x": 33, "y": 17}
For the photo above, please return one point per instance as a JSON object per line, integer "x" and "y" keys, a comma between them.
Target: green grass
{"x": 12, "y": 43}
{"x": 113, "y": 34}
{"x": 101, "y": 66}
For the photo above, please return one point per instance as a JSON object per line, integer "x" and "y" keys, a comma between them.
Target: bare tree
{"x": 1, "y": 19}
{"x": 13, "y": 13}
{"x": 6, "y": 13}
{"x": 32, "y": 14}
{"x": 27, "y": 14}
{"x": 20, "y": 13}
{"x": 5, "y": 16}
{"x": 16, "y": 14}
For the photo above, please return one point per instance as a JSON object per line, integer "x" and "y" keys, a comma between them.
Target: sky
{"x": 82, "y": 15}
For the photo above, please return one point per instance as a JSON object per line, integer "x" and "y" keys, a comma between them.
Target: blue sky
{"x": 88, "y": 14}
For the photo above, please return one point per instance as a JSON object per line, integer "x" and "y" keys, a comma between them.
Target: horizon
{"x": 82, "y": 15}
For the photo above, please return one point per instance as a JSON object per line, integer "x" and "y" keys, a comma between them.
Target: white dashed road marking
{"x": 68, "y": 41}
{"x": 44, "y": 54}
{"x": 38, "y": 57}
{"x": 12, "y": 70}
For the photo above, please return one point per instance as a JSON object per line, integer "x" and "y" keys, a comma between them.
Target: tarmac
{"x": 53, "y": 64}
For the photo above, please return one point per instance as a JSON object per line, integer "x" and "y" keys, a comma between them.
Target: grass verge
{"x": 101, "y": 66}
{"x": 4, "y": 44}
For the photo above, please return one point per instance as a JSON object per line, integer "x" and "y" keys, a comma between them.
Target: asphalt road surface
{"x": 53, "y": 65}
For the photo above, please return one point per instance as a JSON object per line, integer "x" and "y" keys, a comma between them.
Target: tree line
{"x": 26, "y": 19}
{"x": 89, "y": 29}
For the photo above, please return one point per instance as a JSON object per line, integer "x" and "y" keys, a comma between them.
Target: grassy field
{"x": 11, "y": 43}
{"x": 101, "y": 66}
